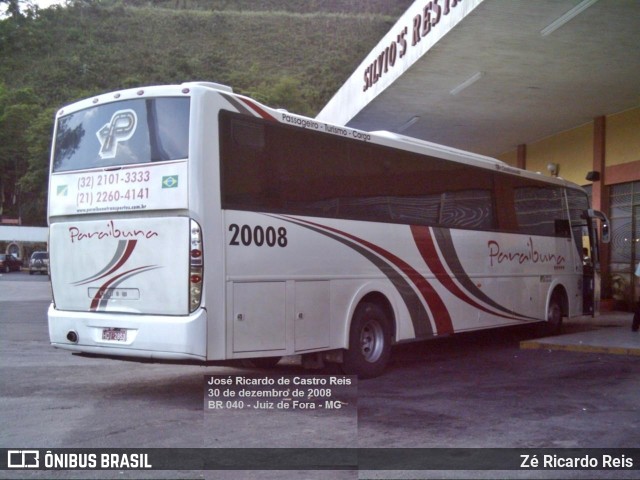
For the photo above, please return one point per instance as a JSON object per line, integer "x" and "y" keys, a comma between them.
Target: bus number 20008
{"x": 247, "y": 235}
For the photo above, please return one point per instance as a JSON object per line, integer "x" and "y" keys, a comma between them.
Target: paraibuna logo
{"x": 110, "y": 231}
{"x": 530, "y": 254}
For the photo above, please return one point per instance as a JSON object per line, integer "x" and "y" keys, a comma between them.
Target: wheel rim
{"x": 371, "y": 341}
{"x": 554, "y": 316}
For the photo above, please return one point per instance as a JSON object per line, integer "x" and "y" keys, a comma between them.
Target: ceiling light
{"x": 470, "y": 81}
{"x": 560, "y": 21}
{"x": 412, "y": 121}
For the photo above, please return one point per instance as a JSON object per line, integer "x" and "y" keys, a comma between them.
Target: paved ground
{"x": 607, "y": 333}
{"x": 474, "y": 390}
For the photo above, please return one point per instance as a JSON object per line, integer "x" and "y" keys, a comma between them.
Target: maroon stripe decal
{"x": 441, "y": 316}
{"x": 95, "y": 301}
{"x": 260, "y": 111}
{"x": 426, "y": 246}
{"x": 424, "y": 241}
{"x": 108, "y": 270}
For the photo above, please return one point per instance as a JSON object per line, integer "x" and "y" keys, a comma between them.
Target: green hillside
{"x": 292, "y": 54}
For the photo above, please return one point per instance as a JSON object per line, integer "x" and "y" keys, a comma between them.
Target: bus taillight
{"x": 195, "y": 267}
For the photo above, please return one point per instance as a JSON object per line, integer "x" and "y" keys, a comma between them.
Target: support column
{"x": 600, "y": 195}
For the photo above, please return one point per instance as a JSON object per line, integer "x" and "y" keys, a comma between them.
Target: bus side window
{"x": 562, "y": 228}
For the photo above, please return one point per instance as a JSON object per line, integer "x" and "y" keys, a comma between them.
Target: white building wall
{"x": 14, "y": 233}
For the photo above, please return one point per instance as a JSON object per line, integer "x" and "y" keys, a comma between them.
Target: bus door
{"x": 591, "y": 260}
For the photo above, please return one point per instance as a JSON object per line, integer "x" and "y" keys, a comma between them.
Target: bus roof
{"x": 381, "y": 137}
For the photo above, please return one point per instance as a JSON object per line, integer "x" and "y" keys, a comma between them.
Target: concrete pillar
{"x": 600, "y": 195}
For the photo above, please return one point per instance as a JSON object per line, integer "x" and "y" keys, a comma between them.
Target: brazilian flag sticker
{"x": 170, "y": 182}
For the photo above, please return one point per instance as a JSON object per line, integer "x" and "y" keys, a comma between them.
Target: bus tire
{"x": 369, "y": 342}
{"x": 554, "y": 316}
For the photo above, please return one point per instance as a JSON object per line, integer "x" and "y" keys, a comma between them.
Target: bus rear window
{"x": 123, "y": 133}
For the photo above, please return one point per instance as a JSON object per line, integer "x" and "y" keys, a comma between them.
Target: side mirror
{"x": 606, "y": 233}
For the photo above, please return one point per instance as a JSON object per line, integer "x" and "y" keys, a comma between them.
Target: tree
{"x": 18, "y": 111}
{"x": 33, "y": 184}
{"x": 286, "y": 92}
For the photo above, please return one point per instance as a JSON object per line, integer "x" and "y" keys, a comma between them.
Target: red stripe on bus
{"x": 95, "y": 301}
{"x": 427, "y": 248}
{"x": 131, "y": 244}
{"x": 259, "y": 110}
{"x": 441, "y": 316}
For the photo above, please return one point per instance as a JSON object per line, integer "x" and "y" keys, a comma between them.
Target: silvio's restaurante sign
{"x": 423, "y": 23}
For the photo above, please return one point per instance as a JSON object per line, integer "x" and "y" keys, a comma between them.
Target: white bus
{"x": 191, "y": 223}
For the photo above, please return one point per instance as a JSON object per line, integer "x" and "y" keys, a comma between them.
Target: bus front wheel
{"x": 369, "y": 342}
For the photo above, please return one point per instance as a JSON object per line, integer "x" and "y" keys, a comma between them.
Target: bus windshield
{"x": 123, "y": 133}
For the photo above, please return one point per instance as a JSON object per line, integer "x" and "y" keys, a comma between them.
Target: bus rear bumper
{"x": 127, "y": 335}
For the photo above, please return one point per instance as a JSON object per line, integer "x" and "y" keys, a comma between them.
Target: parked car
{"x": 39, "y": 262}
{"x": 8, "y": 262}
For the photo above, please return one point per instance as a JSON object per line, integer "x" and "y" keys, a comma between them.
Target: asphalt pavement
{"x": 507, "y": 388}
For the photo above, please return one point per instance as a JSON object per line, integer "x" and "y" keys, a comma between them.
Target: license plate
{"x": 114, "y": 334}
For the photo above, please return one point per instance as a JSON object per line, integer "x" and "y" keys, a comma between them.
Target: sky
{"x": 48, "y": 3}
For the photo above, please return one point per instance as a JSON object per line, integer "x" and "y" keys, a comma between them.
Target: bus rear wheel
{"x": 369, "y": 342}
{"x": 554, "y": 316}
